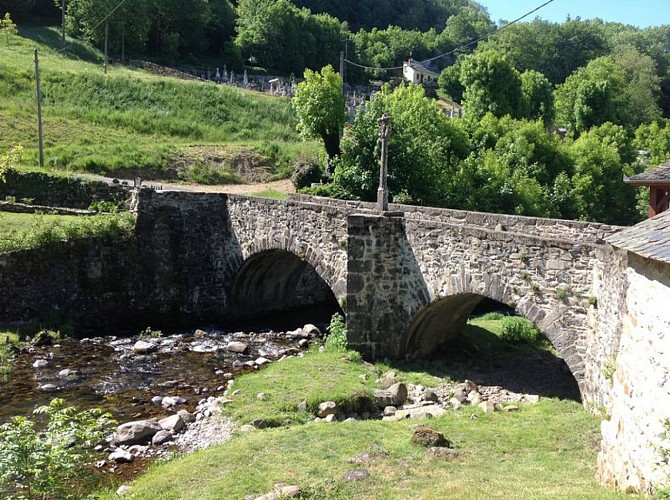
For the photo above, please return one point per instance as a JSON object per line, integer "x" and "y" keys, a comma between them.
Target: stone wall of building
{"x": 635, "y": 450}
{"x": 604, "y": 325}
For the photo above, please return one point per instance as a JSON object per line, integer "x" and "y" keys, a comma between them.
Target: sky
{"x": 641, "y": 13}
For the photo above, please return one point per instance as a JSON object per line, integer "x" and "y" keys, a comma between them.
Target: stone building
{"x": 635, "y": 449}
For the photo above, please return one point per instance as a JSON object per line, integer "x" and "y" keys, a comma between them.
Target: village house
{"x": 417, "y": 72}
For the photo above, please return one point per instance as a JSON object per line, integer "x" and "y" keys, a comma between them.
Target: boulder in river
{"x": 139, "y": 431}
{"x": 237, "y": 347}
{"x": 144, "y": 347}
{"x": 173, "y": 423}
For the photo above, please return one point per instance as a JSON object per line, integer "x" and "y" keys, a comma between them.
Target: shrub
{"x": 519, "y": 330}
{"x": 306, "y": 173}
{"x": 52, "y": 463}
{"x": 492, "y": 316}
{"x": 337, "y": 334}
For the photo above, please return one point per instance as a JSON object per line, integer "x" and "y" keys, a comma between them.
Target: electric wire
{"x": 100, "y": 23}
{"x": 459, "y": 48}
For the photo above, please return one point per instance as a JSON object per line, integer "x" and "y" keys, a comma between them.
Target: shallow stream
{"x": 105, "y": 372}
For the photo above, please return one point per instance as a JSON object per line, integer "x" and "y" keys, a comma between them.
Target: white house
{"x": 416, "y": 72}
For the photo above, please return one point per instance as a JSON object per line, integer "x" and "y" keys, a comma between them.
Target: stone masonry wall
{"x": 548, "y": 281}
{"x": 635, "y": 449}
{"x": 575, "y": 231}
{"x": 604, "y": 325}
{"x": 315, "y": 233}
{"x": 90, "y": 283}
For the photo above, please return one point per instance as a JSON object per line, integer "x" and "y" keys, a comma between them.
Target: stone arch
{"x": 333, "y": 275}
{"x": 445, "y": 318}
{"x": 283, "y": 288}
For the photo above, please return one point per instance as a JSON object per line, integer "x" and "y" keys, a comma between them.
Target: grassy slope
{"x": 127, "y": 118}
{"x": 19, "y": 231}
{"x": 542, "y": 451}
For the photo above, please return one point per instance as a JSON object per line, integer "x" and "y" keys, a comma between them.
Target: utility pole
{"x": 342, "y": 69}
{"x": 383, "y": 191}
{"x": 40, "y": 136}
{"x": 62, "y": 17}
{"x": 106, "y": 36}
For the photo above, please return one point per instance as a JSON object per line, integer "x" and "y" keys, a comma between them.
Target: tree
{"x": 537, "y": 98}
{"x": 601, "y": 157}
{"x": 490, "y": 84}
{"x": 8, "y": 27}
{"x": 642, "y": 84}
{"x": 319, "y": 103}
{"x": 53, "y": 463}
{"x": 425, "y": 149}
{"x": 592, "y": 96}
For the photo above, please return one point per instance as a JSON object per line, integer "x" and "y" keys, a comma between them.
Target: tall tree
{"x": 537, "y": 98}
{"x": 319, "y": 104}
{"x": 592, "y": 96}
{"x": 491, "y": 84}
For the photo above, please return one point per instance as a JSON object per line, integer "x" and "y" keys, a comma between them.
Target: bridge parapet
{"x": 574, "y": 231}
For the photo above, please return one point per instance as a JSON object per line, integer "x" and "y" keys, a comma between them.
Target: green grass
{"x": 542, "y": 451}
{"x": 331, "y": 375}
{"x": 270, "y": 193}
{"x": 128, "y": 120}
{"x": 21, "y": 231}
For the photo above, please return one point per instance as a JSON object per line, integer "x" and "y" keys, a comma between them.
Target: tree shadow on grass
{"x": 486, "y": 359}
{"x": 51, "y": 36}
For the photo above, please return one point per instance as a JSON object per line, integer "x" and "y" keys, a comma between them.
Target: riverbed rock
{"x": 429, "y": 395}
{"x": 139, "y": 431}
{"x": 162, "y": 437}
{"x": 425, "y": 436}
{"x": 383, "y": 398}
{"x": 40, "y": 363}
{"x": 470, "y": 386}
{"x": 173, "y": 423}
{"x": 121, "y": 457}
{"x": 68, "y": 373}
{"x": 309, "y": 330}
{"x": 530, "y": 399}
{"x": 262, "y": 361}
{"x": 487, "y": 406}
{"x": 399, "y": 393}
{"x": 303, "y": 343}
{"x": 144, "y": 347}
{"x": 198, "y": 334}
{"x": 41, "y": 339}
{"x": 48, "y": 388}
{"x": 326, "y": 408}
{"x": 186, "y": 416}
{"x": 237, "y": 347}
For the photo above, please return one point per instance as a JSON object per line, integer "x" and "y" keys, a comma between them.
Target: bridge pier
{"x": 385, "y": 287}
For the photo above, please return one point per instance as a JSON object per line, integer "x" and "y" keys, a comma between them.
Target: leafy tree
{"x": 655, "y": 139}
{"x": 8, "y": 27}
{"x": 537, "y": 98}
{"x": 53, "y": 463}
{"x": 319, "y": 104}
{"x": 490, "y": 84}
{"x": 601, "y": 157}
{"x": 592, "y": 96}
{"x": 449, "y": 82}
{"x": 425, "y": 148}
{"x": 8, "y": 160}
{"x": 642, "y": 87}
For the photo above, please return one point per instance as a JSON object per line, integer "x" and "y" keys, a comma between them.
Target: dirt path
{"x": 282, "y": 186}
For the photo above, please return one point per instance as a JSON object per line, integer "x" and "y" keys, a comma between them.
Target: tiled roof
{"x": 656, "y": 175}
{"x": 650, "y": 239}
{"x": 422, "y": 67}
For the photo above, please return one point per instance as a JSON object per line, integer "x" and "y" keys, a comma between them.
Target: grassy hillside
{"x": 128, "y": 119}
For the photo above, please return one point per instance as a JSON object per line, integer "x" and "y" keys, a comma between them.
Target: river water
{"x": 105, "y": 372}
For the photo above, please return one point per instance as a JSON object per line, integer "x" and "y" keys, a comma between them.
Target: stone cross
{"x": 383, "y": 191}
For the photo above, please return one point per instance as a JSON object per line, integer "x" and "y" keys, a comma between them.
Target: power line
{"x": 100, "y": 23}
{"x": 461, "y": 47}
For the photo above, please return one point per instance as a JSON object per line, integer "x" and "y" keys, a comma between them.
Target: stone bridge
{"x": 409, "y": 281}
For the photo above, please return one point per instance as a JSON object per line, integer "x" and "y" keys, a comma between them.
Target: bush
{"x": 519, "y": 330}
{"x": 53, "y": 463}
{"x": 305, "y": 174}
{"x": 337, "y": 334}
